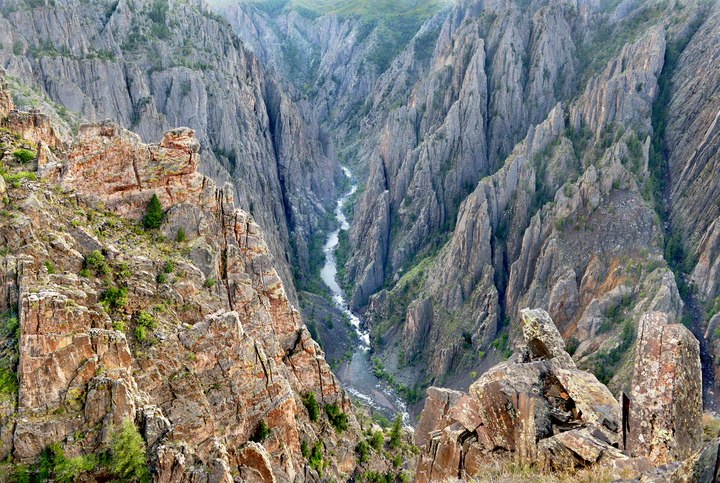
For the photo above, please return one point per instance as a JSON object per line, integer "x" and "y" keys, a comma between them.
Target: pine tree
{"x": 395, "y": 433}
{"x": 127, "y": 455}
{"x": 154, "y": 214}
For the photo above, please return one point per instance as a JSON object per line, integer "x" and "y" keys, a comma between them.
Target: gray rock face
{"x": 492, "y": 74}
{"x": 693, "y": 138}
{"x": 183, "y": 67}
{"x": 564, "y": 224}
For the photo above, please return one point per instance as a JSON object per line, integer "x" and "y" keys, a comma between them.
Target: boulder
{"x": 543, "y": 339}
{"x": 666, "y": 405}
{"x": 575, "y": 449}
{"x": 701, "y": 467}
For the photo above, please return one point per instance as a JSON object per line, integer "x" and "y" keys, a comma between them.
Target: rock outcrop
{"x": 666, "y": 405}
{"x": 150, "y": 67}
{"x": 539, "y": 409}
{"x": 535, "y": 408}
{"x": 193, "y": 338}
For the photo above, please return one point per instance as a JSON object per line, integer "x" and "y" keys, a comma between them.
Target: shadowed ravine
{"x": 356, "y": 374}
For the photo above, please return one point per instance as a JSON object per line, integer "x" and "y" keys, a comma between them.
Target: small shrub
{"x": 70, "y": 469}
{"x": 96, "y": 261}
{"x": 161, "y": 277}
{"x": 311, "y": 406}
{"x": 209, "y": 282}
{"x": 572, "y": 345}
{"x": 146, "y": 320}
{"x": 50, "y": 267}
{"x": 316, "y": 461}
{"x": 261, "y": 432}
{"x": 304, "y": 449}
{"x": 338, "y": 419}
{"x": 114, "y": 298}
{"x": 395, "y": 433}
{"x": 15, "y": 178}
{"x": 363, "y": 450}
{"x": 180, "y": 237}
{"x": 85, "y": 273}
{"x": 154, "y": 214}
{"x": 169, "y": 267}
{"x": 123, "y": 271}
{"x": 376, "y": 440}
{"x": 21, "y": 474}
{"x": 127, "y": 459}
{"x": 24, "y": 155}
{"x": 140, "y": 333}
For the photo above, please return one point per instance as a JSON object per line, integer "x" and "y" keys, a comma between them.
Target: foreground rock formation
{"x": 539, "y": 409}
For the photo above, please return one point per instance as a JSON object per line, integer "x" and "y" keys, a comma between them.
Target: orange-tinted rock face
{"x": 6, "y": 102}
{"x": 111, "y": 165}
{"x": 225, "y": 348}
{"x": 33, "y": 126}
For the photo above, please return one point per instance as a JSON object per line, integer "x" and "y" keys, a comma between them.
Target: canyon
{"x": 373, "y": 203}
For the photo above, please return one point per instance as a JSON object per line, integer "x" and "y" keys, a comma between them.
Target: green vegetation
{"x": 124, "y": 461}
{"x": 158, "y": 15}
{"x": 209, "y": 282}
{"x": 261, "y": 432}
{"x": 315, "y": 458}
{"x": 144, "y": 322}
{"x": 180, "y": 237}
{"x": 376, "y": 440}
{"x": 337, "y": 418}
{"x": 395, "y": 438}
{"x": 606, "y": 362}
{"x": 24, "y": 155}
{"x": 10, "y": 332}
{"x": 14, "y": 179}
{"x": 363, "y": 451}
{"x": 169, "y": 267}
{"x": 311, "y": 406}
{"x": 501, "y": 344}
{"x": 572, "y": 345}
{"x": 53, "y": 463}
{"x": 96, "y": 261}
{"x": 342, "y": 255}
{"x": 154, "y": 214}
{"x": 49, "y": 267}
{"x": 127, "y": 459}
{"x": 114, "y": 298}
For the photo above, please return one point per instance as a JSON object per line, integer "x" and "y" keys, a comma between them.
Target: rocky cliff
{"x": 563, "y": 210}
{"x": 152, "y": 65}
{"x": 539, "y": 410}
{"x": 518, "y": 154}
{"x": 185, "y": 331}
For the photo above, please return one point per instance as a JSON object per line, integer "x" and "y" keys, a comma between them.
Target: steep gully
{"x": 693, "y": 311}
{"x": 356, "y": 374}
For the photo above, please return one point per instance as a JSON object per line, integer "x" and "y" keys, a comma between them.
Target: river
{"x": 356, "y": 374}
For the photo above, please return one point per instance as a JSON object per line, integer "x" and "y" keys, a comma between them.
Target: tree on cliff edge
{"x": 154, "y": 214}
